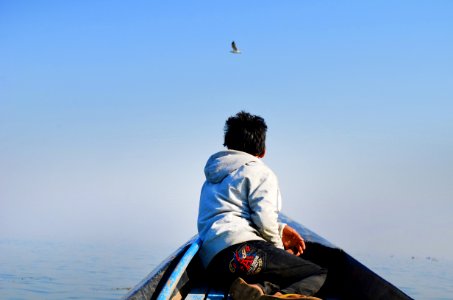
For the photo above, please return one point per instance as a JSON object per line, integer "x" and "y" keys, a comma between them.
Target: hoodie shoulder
{"x": 259, "y": 170}
{"x": 223, "y": 163}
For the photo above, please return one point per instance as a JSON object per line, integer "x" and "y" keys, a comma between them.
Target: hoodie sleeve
{"x": 265, "y": 201}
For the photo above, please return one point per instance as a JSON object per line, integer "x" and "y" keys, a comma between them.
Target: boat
{"x": 181, "y": 275}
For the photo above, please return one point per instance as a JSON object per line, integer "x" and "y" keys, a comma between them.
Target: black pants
{"x": 272, "y": 268}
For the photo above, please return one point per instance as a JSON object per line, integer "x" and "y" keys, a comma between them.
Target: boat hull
{"x": 347, "y": 277}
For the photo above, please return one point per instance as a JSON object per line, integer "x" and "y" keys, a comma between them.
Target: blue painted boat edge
{"x": 170, "y": 285}
{"x": 143, "y": 289}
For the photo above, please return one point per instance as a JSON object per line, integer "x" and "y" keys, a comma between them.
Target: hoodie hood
{"x": 221, "y": 164}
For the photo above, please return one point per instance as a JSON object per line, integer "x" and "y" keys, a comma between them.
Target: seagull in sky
{"x": 234, "y": 48}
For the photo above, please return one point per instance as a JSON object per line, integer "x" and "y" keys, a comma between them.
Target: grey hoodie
{"x": 240, "y": 201}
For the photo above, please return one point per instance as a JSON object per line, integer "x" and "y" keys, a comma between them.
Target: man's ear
{"x": 262, "y": 154}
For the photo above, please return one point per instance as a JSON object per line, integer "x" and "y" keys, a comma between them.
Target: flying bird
{"x": 235, "y": 49}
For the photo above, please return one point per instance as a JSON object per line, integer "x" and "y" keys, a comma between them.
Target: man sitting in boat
{"x": 243, "y": 242}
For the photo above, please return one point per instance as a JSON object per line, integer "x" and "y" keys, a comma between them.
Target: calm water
{"x": 419, "y": 277}
{"x": 43, "y": 270}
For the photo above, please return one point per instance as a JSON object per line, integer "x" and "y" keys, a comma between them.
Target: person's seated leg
{"x": 292, "y": 274}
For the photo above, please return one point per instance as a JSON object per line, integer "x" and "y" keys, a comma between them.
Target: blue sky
{"x": 109, "y": 110}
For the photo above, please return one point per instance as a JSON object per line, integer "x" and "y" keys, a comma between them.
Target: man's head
{"x": 246, "y": 132}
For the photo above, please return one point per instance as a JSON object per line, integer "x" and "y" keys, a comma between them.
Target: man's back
{"x": 240, "y": 201}
{"x": 238, "y": 221}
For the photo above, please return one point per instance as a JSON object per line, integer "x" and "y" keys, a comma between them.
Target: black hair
{"x": 246, "y": 132}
